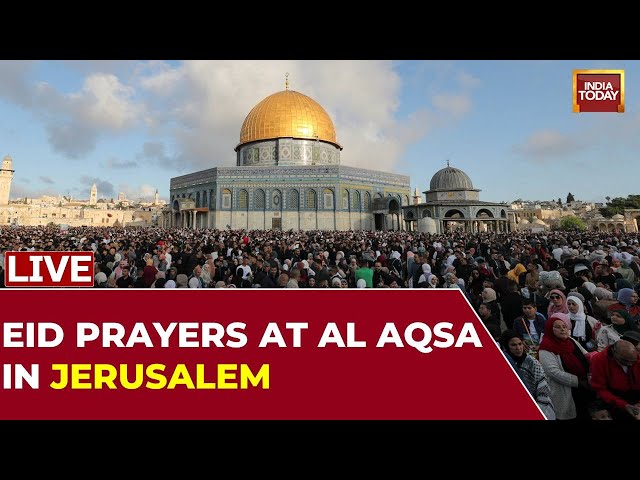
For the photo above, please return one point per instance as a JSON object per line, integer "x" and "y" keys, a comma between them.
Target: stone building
{"x": 60, "y": 210}
{"x": 288, "y": 176}
{"x": 451, "y": 203}
{"x": 6, "y": 176}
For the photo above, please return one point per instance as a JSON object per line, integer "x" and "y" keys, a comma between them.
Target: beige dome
{"x": 427, "y": 225}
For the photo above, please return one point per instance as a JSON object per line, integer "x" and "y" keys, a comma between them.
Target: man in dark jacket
{"x": 490, "y": 321}
{"x": 271, "y": 280}
{"x": 531, "y": 323}
{"x": 511, "y": 304}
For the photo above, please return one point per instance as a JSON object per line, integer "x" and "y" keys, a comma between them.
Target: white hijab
{"x": 589, "y": 286}
{"x": 426, "y": 271}
{"x": 579, "y": 329}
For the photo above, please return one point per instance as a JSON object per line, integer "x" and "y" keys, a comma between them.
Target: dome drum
{"x": 287, "y": 152}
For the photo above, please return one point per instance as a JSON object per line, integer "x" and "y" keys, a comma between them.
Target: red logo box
{"x": 48, "y": 269}
{"x": 598, "y": 91}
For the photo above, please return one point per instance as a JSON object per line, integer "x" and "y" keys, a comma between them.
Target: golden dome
{"x": 288, "y": 114}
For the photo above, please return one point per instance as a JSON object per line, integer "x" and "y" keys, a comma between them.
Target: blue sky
{"x": 129, "y": 126}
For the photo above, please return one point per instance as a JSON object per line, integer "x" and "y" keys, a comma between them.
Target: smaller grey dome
{"x": 450, "y": 178}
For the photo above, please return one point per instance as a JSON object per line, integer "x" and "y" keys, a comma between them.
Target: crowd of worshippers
{"x": 482, "y": 265}
{"x": 562, "y": 306}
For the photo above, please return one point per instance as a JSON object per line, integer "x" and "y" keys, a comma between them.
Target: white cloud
{"x": 467, "y": 81}
{"x": 104, "y": 102}
{"x": 192, "y": 111}
{"x": 74, "y": 121}
{"x": 135, "y": 193}
{"x": 71, "y": 140}
{"x": 14, "y": 81}
{"x": 546, "y": 145}
{"x": 209, "y": 101}
{"x": 160, "y": 77}
{"x": 454, "y": 105}
{"x": 115, "y": 164}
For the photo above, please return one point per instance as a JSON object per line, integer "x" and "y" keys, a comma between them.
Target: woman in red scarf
{"x": 567, "y": 368}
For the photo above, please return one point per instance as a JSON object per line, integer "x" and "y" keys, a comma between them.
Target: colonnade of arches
{"x": 454, "y": 219}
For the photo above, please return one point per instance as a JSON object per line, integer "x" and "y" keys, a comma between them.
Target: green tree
{"x": 572, "y": 223}
{"x": 618, "y": 204}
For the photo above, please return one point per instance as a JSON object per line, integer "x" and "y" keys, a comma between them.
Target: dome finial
{"x": 286, "y": 81}
{"x": 447, "y": 162}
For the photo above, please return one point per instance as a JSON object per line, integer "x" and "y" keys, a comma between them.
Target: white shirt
{"x": 532, "y": 330}
{"x": 246, "y": 271}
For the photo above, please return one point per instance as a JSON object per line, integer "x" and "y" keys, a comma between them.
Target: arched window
{"x": 327, "y": 198}
{"x": 260, "y": 199}
{"x": 345, "y": 199}
{"x": 293, "y": 200}
{"x": 226, "y": 198}
{"x": 204, "y": 199}
{"x": 367, "y": 202}
{"x": 243, "y": 200}
{"x": 356, "y": 201}
{"x": 311, "y": 201}
{"x": 198, "y": 200}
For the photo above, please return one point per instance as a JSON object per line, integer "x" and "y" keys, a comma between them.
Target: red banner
{"x": 252, "y": 354}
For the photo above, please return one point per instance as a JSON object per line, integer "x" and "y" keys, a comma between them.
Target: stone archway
{"x": 183, "y": 213}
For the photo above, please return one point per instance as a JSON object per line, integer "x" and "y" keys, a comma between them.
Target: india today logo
{"x": 48, "y": 269}
{"x": 598, "y": 91}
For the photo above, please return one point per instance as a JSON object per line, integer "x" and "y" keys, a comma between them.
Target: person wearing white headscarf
{"x": 582, "y": 325}
{"x": 426, "y": 271}
{"x": 207, "y": 269}
{"x": 395, "y": 263}
{"x": 625, "y": 269}
{"x": 590, "y": 286}
{"x": 101, "y": 280}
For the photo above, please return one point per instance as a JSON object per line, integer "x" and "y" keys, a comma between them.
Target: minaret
{"x": 6, "y": 175}
{"x": 416, "y": 197}
{"x": 156, "y": 200}
{"x": 93, "y": 198}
